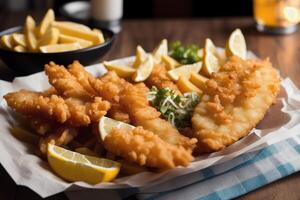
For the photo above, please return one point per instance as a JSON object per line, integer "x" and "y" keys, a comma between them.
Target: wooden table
{"x": 282, "y": 50}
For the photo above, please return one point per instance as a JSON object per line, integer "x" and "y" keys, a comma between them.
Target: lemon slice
{"x": 55, "y": 48}
{"x": 46, "y": 22}
{"x": 50, "y": 37}
{"x": 73, "y": 166}
{"x": 169, "y": 62}
{"x": 210, "y": 58}
{"x": 236, "y": 45}
{"x": 140, "y": 56}
{"x": 7, "y": 42}
{"x": 144, "y": 70}
{"x": 69, "y": 39}
{"x": 184, "y": 70}
{"x": 19, "y": 39}
{"x": 122, "y": 70}
{"x": 107, "y": 124}
{"x": 160, "y": 50}
{"x": 184, "y": 85}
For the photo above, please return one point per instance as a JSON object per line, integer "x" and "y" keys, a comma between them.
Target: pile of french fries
{"x": 51, "y": 36}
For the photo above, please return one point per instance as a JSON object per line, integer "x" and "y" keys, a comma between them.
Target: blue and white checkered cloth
{"x": 225, "y": 181}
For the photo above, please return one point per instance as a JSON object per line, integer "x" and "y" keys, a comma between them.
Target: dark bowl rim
{"x": 17, "y": 28}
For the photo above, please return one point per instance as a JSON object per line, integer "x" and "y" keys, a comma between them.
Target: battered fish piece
{"x": 160, "y": 79}
{"x": 65, "y": 83}
{"x": 235, "y": 100}
{"x": 135, "y": 102}
{"x": 145, "y": 148}
{"x": 71, "y": 111}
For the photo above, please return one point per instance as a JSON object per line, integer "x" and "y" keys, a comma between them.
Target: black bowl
{"x": 24, "y": 63}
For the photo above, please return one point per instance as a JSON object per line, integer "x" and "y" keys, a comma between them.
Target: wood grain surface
{"x": 282, "y": 50}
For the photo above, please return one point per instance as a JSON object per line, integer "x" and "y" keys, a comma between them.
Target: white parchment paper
{"x": 281, "y": 122}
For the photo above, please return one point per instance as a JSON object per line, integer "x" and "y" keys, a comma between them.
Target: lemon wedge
{"x": 55, "y": 48}
{"x": 50, "y": 37}
{"x": 198, "y": 80}
{"x": 122, "y": 70}
{"x": 144, "y": 70}
{"x": 19, "y": 39}
{"x": 184, "y": 70}
{"x": 169, "y": 62}
{"x": 210, "y": 58}
{"x": 236, "y": 45}
{"x": 160, "y": 50}
{"x": 85, "y": 151}
{"x": 106, "y": 124}
{"x": 7, "y": 42}
{"x": 46, "y": 22}
{"x": 140, "y": 56}
{"x": 73, "y": 166}
{"x": 184, "y": 85}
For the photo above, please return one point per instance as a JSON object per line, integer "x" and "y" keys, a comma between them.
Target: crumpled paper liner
{"x": 281, "y": 122}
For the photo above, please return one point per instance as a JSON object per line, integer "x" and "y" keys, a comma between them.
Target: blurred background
{"x": 134, "y": 9}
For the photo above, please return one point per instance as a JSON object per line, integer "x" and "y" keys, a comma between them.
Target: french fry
{"x": 70, "y": 39}
{"x": 7, "y": 42}
{"x": 75, "y": 32}
{"x": 29, "y": 33}
{"x": 72, "y": 24}
{"x": 100, "y": 35}
{"x": 169, "y": 62}
{"x": 50, "y": 37}
{"x": 19, "y": 48}
{"x": 46, "y": 22}
{"x": 25, "y": 136}
{"x": 55, "y": 48}
{"x": 19, "y": 39}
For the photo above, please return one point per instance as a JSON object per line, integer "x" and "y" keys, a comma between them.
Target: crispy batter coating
{"x": 145, "y": 148}
{"x": 235, "y": 100}
{"x": 135, "y": 102}
{"x": 64, "y": 82}
{"x": 160, "y": 79}
{"x": 71, "y": 111}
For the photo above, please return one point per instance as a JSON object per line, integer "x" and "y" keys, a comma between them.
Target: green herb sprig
{"x": 176, "y": 109}
{"x": 185, "y": 54}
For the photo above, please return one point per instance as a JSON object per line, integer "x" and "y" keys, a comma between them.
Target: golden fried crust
{"x": 160, "y": 79}
{"x": 71, "y": 111}
{"x": 234, "y": 101}
{"x": 136, "y": 104}
{"x": 64, "y": 82}
{"x": 145, "y": 148}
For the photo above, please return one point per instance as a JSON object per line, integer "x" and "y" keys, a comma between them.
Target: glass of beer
{"x": 277, "y": 16}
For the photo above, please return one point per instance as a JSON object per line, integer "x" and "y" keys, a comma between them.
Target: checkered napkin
{"x": 225, "y": 181}
{"x": 235, "y": 178}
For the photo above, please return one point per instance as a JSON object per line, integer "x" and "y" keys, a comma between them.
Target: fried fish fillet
{"x": 160, "y": 79}
{"x": 235, "y": 99}
{"x": 72, "y": 111}
{"x": 133, "y": 99}
{"x": 145, "y": 148}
